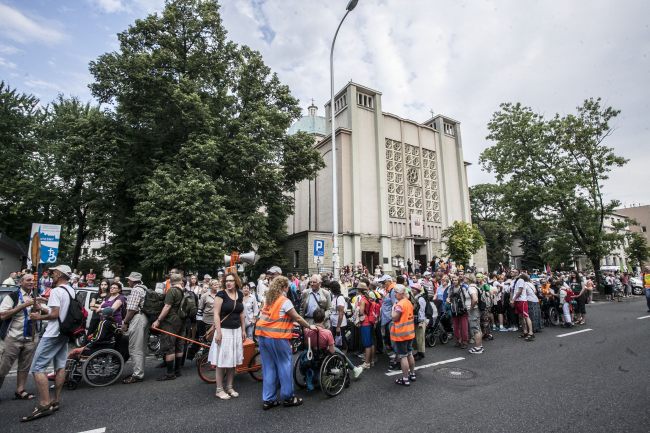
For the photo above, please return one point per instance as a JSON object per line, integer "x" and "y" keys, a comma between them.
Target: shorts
{"x": 50, "y": 349}
{"x": 403, "y": 348}
{"x": 521, "y": 308}
{"x": 170, "y": 345}
{"x": 366, "y": 336}
{"x": 474, "y": 321}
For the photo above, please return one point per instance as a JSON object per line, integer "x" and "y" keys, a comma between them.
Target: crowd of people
{"x": 360, "y": 316}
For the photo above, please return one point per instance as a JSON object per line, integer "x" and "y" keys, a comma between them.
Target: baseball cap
{"x": 64, "y": 269}
{"x": 274, "y": 270}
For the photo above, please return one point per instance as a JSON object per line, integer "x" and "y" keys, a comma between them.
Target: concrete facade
{"x": 400, "y": 184}
{"x": 12, "y": 256}
{"x": 638, "y": 219}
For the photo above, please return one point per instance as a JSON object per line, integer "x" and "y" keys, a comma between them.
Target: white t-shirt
{"x": 472, "y": 290}
{"x": 285, "y": 308}
{"x": 519, "y": 284}
{"x": 530, "y": 293}
{"x": 58, "y": 298}
{"x": 261, "y": 289}
{"x": 334, "y": 317}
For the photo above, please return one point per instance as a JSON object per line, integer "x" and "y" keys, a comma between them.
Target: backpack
{"x": 428, "y": 308}
{"x": 4, "y": 324}
{"x": 373, "y": 310}
{"x": 153, "y": 302}
{"x": 482, "y": 306}
{"x": 458, "y": 307}
{"x": 187, "y": 309}
{"x": 74, "y": 317}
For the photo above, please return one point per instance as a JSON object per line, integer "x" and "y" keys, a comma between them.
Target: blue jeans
{"x": 647, "y": 297}
{"x": 276, "y": 368}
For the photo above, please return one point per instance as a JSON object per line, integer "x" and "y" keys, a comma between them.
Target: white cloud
{"x": 110, "y": 6}
{"x": 8, "y": 49}
{"x": 6, "y": 64}
{"x": 20, "y": 28}
{"x": 463, "y": 58}
{"x": 41, "y": 84}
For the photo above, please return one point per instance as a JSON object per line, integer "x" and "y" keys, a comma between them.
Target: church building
{"x": 400, "y": 184}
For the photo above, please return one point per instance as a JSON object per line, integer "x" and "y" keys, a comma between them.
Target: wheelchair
{"x": 97, "y": 364}
{"x": 320, "y": 368}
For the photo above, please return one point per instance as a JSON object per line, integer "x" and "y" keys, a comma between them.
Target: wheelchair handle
{"x": 310, "y": 354}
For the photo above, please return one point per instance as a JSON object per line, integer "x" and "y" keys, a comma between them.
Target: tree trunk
{"x": 595, "y": 262}
{"x": 80, "y": 238}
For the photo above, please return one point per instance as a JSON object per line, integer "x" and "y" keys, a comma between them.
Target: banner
{"x": 50, "y": 235}
{"x": 417, "y": 229}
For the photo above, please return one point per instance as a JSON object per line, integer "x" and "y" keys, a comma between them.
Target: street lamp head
{"x": 351, "y": 5}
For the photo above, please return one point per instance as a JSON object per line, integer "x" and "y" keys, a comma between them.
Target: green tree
{"x": 556, "y": 169}
{"x": 198, "y": 108}
{"x": 637, "y": 249}
{"x": 81, "y": 144}
{"x": 462, "y": 240}
{"x": 23, "y": 192}
{"x": 493, "y": 218}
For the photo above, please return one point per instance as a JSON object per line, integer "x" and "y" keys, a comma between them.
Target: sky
{"x": 460, "y": 58}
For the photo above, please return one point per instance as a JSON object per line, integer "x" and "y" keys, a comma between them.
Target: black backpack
{"x": 428, "y": 307}
{"x": 4, "y": 324}
{"x": 74, "y": 318}
{"x": 481, "y": 302}
{"x": 153, "y": 303}
{"x": 458, "y": 307}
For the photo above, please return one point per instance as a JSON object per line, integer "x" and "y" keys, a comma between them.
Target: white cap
{"x": 274, "y": 270}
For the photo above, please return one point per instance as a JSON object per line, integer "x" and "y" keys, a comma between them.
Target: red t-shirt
{"x": 324, "y": 338}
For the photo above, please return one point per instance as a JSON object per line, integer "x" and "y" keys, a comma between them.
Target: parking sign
{"x": 319, "y": 247}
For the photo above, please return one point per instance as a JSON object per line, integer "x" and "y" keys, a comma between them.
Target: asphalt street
{"x": 597, "y": 381}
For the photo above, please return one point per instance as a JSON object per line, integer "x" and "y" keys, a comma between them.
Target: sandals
{"x": 293, "y": 401}
{"x": 529, "y": 337}
{"x": 131, "y": 379}
{"x": 55, "y": 405}
{"x": 270, "y": 405}
{"x": 222, "y": 395}
{"x": 38, "y": 412}
{"x": 403, "y": 382}
{"x": 231, "y": 392}
{"x": 412, "y": 377}
{"x": 23, "y": 395}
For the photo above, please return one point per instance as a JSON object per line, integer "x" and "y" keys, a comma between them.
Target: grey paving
{"x": 596, "y": 381}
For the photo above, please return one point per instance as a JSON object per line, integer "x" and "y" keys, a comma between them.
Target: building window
{"x": 643, "y": 229}
{"x": 449, "y": 129}
{"x": 296, "y": 258}
{"x": 340, "y": 103}
{"x": 366, "y": 101}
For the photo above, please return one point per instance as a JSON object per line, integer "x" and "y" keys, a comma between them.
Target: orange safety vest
{"x": 271, "y": 325}
{"x": 646, "y": 280}
{"x": 404, "y": 328}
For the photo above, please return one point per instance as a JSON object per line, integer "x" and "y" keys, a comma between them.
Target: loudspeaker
{"x": 250, "y": 258}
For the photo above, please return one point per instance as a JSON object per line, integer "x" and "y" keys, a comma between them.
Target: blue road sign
{"x": 319, "y": 247}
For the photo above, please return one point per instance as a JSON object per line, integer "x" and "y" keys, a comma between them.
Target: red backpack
{"x": 373, "y": 310}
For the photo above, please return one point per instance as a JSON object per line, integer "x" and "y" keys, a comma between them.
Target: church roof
{"x": 309, "y": 124}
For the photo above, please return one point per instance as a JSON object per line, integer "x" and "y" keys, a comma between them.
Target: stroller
{"x": 101, "y": 361}
{"x": 436, "y": 331}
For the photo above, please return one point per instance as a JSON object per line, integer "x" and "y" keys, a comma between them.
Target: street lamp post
{"x": 335, "y": 199}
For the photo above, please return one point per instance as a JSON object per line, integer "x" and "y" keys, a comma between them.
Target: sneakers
{"x": 502, "y": 329}
{"x": 476, "y": 350}
{"x": 366, "y": 366}
{"x": 513, "y": 329}
{"x": 356, "y": 372}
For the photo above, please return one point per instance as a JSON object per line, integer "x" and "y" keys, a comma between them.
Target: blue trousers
{"x": 276, "y": 368}
{"x": 647, "y": 298}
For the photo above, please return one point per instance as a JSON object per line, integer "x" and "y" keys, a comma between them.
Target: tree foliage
{"x": 208, "y": 163}
{"x": 493, "y": 218}
{"x": 637, "y": 249}
{"x": 462, "y": 240}
{"x": 555, "y": 168}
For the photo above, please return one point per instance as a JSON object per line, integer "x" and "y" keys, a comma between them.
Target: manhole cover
{"x": 456, "y": 373}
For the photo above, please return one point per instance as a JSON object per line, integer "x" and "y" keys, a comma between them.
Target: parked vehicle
{"x": 637, "y": 286}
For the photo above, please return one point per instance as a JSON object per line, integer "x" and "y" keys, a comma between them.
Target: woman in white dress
{"x": 227, "y": 350}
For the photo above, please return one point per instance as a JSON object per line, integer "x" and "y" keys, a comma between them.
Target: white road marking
{"x": 433, "y": 364}
{"x": 575, "y": 332}
{"x": 97, "y": 430}
{"x": 643, "y": 317}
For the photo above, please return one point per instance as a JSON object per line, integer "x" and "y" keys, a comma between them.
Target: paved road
{"x": 596, "y": 381}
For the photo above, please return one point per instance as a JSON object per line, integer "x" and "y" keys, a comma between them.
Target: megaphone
{"x": 250, "y": 258}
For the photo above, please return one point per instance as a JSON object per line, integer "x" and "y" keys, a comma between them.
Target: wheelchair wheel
{"x": 207, "y": 372}
{"x": 333, "y": 375}
{"x": 444, "y": 337}
{"x": 430, "y": 337}
{"x": 103, "y": 367}
{"x": 255, "y": 367}
{"x": 554, "y": 316}
{"x": 298, "y": 377}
